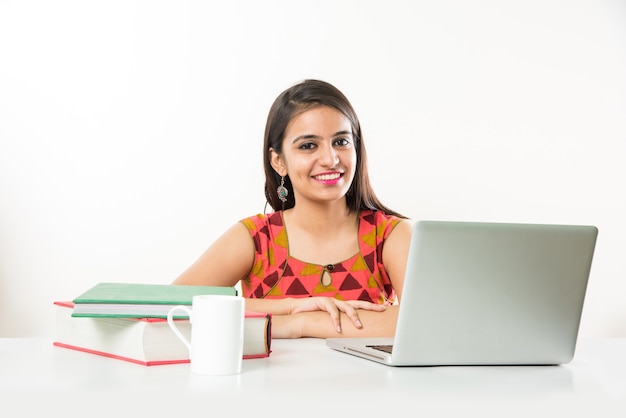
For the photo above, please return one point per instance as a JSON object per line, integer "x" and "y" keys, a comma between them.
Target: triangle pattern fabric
{"x": 361, "y": 277}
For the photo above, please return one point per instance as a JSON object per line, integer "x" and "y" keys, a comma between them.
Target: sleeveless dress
{"x": 275, "y": 274}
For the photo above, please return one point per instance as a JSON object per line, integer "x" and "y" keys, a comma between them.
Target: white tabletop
{"x": 305, "y": 378}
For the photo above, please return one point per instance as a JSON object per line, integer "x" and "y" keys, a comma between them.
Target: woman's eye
{"x": 342, "y": 142}
{"x": 307, "y": 146}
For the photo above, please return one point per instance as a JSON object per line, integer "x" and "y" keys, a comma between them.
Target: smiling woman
{"x": 319, "y": 157}
{"x": 330, "y": 248}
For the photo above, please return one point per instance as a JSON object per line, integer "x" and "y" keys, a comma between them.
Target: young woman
{"x": 330, "y": 258}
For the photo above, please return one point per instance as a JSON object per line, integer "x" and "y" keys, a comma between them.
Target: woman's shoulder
{"x": 379, "y": 218}
{"x": 376, "y": 225}
{"x": 261, "y": 220}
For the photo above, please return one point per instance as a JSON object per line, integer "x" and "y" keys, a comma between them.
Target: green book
{"x": 138, "y": 300}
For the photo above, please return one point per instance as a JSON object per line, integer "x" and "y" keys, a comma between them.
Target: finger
{"x": 352, "y": 314}
{"x": 361, "y": 304}
{"x": 335, "y": 318}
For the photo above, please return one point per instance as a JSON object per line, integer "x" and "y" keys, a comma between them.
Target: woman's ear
{"x": 277, "y": 162}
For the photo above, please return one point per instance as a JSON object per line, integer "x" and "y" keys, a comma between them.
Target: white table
{"x": 305, "y": 378}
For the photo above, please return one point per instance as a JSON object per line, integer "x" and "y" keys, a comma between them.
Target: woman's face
{"x": 318, "y": 155}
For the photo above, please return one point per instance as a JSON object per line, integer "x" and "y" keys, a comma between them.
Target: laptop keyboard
{"x": 387, "y": 348}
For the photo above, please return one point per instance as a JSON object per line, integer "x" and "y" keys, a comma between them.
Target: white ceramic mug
{"x": 217, "y": 324}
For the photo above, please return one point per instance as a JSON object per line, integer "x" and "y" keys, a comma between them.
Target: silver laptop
{"x": 487, "y": 294}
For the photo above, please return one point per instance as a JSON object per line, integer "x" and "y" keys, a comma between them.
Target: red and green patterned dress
{"x": 275, "y": 274}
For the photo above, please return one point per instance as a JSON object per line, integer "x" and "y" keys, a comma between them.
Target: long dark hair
{"x": 290, "y": 103}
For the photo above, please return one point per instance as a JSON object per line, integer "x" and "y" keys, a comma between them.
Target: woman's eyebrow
{"x": 341, "y": 133}
{"x": 305, "y": 136}
{"x": 312, "y": 136}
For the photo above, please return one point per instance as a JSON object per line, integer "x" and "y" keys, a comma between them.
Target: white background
{"x": 131, "y": 131}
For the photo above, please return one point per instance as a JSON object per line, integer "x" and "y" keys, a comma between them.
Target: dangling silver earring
{"x": 282, "y": 190}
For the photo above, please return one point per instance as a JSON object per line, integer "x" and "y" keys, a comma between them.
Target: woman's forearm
{"x": 273, "y": 306}
{"x": 318, "y": 324}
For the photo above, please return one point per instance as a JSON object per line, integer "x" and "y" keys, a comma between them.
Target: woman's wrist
{"x": 287, "y": 326}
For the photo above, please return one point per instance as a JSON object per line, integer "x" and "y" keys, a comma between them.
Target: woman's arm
{"x": 229, "y": 259}
{"x": 395, "y": 253}
{"x": 349, "y": 310}
{"x": 224, "y": 263}
{"x": 316, "y": 324}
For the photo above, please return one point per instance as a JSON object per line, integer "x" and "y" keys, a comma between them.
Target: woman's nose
{"x": 329, "y": 157}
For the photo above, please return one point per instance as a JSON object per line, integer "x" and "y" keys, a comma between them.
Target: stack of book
{"x": 128, "y": 321}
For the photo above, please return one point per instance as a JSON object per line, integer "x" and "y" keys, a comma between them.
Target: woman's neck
{"x": 321, "y": 234}
{"x": 322, "y": 218}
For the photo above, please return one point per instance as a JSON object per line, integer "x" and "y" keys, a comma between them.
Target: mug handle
{"x": 170, "y": 321}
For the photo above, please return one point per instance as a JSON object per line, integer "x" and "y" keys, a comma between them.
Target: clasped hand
{"x": 334, "y": 307}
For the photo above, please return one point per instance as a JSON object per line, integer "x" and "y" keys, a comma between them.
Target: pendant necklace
{"x": 326, "y": 279}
